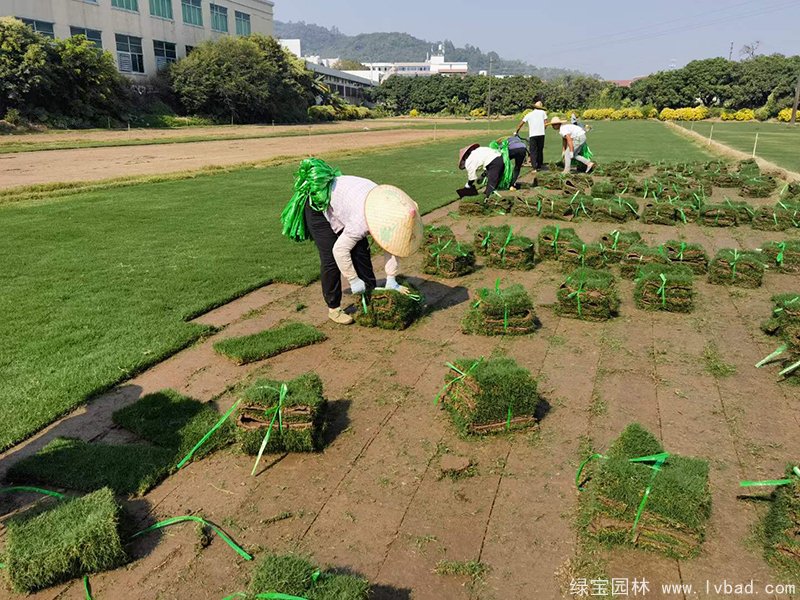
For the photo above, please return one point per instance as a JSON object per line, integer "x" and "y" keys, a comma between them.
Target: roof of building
{"x": 336, "y": 73}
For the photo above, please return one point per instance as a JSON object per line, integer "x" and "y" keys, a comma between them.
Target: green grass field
{"x": 98, "y": 286}
{"x": 777, "y": 142}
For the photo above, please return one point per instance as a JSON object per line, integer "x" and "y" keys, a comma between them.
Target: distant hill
{"x": 401, "y": 47}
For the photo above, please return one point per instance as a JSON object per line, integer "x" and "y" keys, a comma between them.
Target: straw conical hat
{"x": 393, "y": 220}
{"x": 557, "y": 121}
{"x": 464, "y": 153}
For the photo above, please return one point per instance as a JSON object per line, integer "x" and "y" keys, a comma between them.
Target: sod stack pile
{"x": 589, "y": 295}
{"x": 391, "y": 309}
{"x": 735, "y": 267}
{"x": 719, "y": 215}
{"x": 505, "y": 250}
{"x": 664, "y": 287}
{"x": 474, "y": 206}
{"x": 782, "y": 526}
{"x": 785, "y": 312}
{"x": 444, "y": 256}
{"x": 294, "y": 415}
{"x": 72, "y": 538}
{"x": 529, "y": 203}
{"x": 559, "y": 208}
{"x": 578, "y": 254}
{"x": 658, "y": 213}
{"x": 784, "y": 215}
{"x": 499, "y": 311}
{"x": 488, "y": 396}
{"x": 784, "y": 256}
{"x": 639, "y": 255}
{"x": 676, "y": 511}
{"x": 554, "y": 240}
{"x": 688, "y": 255}
{"x": 613, "y": 210}
{"x": 292, "y": 576}
{"x": 616, "y": 243}
{"x": 436, "y": 234}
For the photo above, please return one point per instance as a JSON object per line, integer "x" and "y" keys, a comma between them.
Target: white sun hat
{"x": 393, "y": 220}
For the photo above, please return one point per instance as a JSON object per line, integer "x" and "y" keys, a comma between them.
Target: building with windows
{"x": 144, "y": 35}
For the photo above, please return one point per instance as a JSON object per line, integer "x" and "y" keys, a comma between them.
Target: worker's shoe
{"x": 589, "y": 168}
{"x": 512, "y": 189}
{"x": 337, "y": 315}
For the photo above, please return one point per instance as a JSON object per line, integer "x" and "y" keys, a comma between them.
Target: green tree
{"x": 349, "y": 65}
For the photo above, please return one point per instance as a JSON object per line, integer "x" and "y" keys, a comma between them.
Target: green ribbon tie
{"x": 583, "y": 255}
{"x": 615, "y": 235}
{"x": 277, "y": 413}
{"x": 438, "y": 250}
{"x": 505, "y": 245}
{"x": 364, "y": 303}
{"x": 663, "y": 290}
{"x": 486, "y": 240}
{"x": 555, "y": 239}
{"x": 736, "y": 257}
{"x": 683, "y": 215}
{"x": 680, "y": 252}
{"x": 174, "y": 520}
{"x": 27, "y": 488}
{"x": 205, "y": 438}
{"x": 86, "y": 588}
{"x": 775, "y": 482}
{"x": 782, "y": 247}
{"x": 577, "y": 295}
{"x": 461, "y": 376}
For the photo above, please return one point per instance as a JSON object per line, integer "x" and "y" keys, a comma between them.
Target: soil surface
{"x": 58, "y": 166}
{"x": 376, "y": 501}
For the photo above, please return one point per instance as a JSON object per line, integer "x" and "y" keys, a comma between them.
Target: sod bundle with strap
{"x": 737, "y": 267}
{"x": 488, "y": 396}
{"x": 689, "y": 255}
{"x": 65, "y": 540}
{"x": 638, "y": 495}
{"x": 658, "y": 213}
{"x": 505, "y": 250}
{"x": 784, "y": 215}
{"x": 589, "y": 295}
{"x": 553, "y": 240}
{"x": 785, "y": 311}
{"x": 604, "y": 189}
{"x": 686, "y": 211}
{"x": 293, "y": 577}
{"x": 758, "y": 187}
{"x": 578, "y": 254}
{"x": 391, "y": 309}
{"x": 640, "y": 255}
{"x": 719, "y": 215}
{"x": 473, "y": 206}
{"x": 616, "y": 243}
{"x": 499, "y": 311}
{"x": 529, "y": 202}
{"x": 613, "y": 210}
{"x": 664, "y": 287}
{"x": 748, "y": 168}
{"x": 448, "y": 258}
{"x": 312, "y": 186}
{"x": 559, "y": 208}
{"x": 436, "y": 234}
{"x": 785, "y": 255}
{"x": 294, "y": 415}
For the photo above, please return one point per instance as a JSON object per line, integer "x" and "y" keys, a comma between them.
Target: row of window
{"x": 192, "y": 13}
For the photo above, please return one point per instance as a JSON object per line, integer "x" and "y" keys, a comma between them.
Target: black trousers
{"x": 331, "y": 277}
{"x": 494, "y": 173}
{"x": 518, "y": 155}
{"x": 537, "y": 151}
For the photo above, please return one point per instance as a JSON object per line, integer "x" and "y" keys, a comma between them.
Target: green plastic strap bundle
{"x": 312, "y": 185}
{"x": 204, "y": 439}
{"x": 663, "y": 290}
{"x": 777, "y": 482}
{"x": 27, "y": 488}
{"x": 682, "y": 249}
{"x": 461, "y": 376}
{"x": 586, "y": 153}
{"x": 658, "y": 461}
{"x": 167, "y": 522}
{"x": 277, "y": 413}
{"x": 508, "y": 171}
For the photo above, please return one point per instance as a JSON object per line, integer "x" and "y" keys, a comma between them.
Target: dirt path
{"x": 31, "y": 168}
{"x": 375, "y": 501}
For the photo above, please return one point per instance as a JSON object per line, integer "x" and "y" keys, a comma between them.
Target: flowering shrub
{"x": 477, "y": 113}
{"x": 413, "y": 112}
{"x": 785, "y": 115}
{"x": 698, "y": 113}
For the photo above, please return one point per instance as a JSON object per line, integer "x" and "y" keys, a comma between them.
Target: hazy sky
{"x": 618, "y": 39}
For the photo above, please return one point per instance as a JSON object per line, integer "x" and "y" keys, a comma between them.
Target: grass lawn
{"x": 98, "y": 286}
{"x": 777, "y": 142}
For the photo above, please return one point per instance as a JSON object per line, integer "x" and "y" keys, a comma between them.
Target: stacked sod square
{"x": 293, "y": 576}
{"x": 589, "y": 295}
{"x": 504, "y": 249}
{"x": 500, "y": 311}
{"x": 639, "y": 255}
{"x": 781, "y": 526}
{"x": 784, "y": 215}
{"x": 391, "y": 309}
{"x": 293, "y": 415}
{"x": 664, "y": 287}
{"x": 554, "y": 240}
{"x": 490, "y": 395}
{"x": 444, "y": 255}
{"x": 613, "y": 210}
{"x": 688, "y": 255}
{"x": 616, "y": 243}
{"x": 785, "y": 324}
{"x": 579, "y": 254}
{"x": 676, "y": 511}
{"x": 783, "y": 256}
{"x": 737, "y": 267}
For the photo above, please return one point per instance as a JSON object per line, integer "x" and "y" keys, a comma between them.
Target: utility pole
{"x": 730, "y": 54}
{"x": 796, "y": 102}
{"x": 489, "y": 98}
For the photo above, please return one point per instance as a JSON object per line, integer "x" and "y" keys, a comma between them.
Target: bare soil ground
{"x": 58, "y": 166}
{"x": 375, "y": 502}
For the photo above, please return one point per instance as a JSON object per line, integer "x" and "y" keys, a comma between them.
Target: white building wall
{"x": 110, "y": 20}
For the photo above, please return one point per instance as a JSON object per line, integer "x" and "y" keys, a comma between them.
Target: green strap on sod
{"x": 773, "y": 482}
{"x": 771, "y": 357}
{"x": 782, "y": 248}
{"x": 663, "y": 290}
{"x": 461, "y": 376}
{"x": 437, "y": 250}
{"x": 27, "y": 488}
{"x": 312, "y": 185}
{"x": 86, "y": 588}
{"x": 509, "y": 237}
{"x": 267, "y": 596}
{"x": 615, "y": 235}
{"x": 277, "y": 413}
{"x": 174, "y": 520}
{"x": 205, "y": 438}
{"x": 364, "y": 303}
{"x": 736, "y": 257}
{"x": 577, "y": 295}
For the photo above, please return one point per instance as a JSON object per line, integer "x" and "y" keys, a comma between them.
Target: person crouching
{"x": 476, "y": 159}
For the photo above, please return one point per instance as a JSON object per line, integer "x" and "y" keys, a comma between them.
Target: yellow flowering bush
{"x": 477, "y": 113}
{"x": 745, "y": 114}
{"x": 698, "y": 113}
{"x": 413, "y": 112}
{"x": 598, "y": 114}
{"x": 785, "y": 115}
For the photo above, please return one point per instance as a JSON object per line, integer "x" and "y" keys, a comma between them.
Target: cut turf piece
{"x": 74, "y": 537}
{"x": 438, "y": 234}
{"x": 783, "y": 216}
{"x": 491, "y": 396}
{"x": 505, "y": 250}
{"x": 604, "y": 189}
{"x": 785, "y": 310}
{"x": 170, "y": 420}
{"x": 391, "y": 309}
{"x": 688, "y": 255}
{"x": 489, "y": 237}
{"x": 719, "y": 215}
{"x": 529, "y": 202}
{"x": 559, "y": 208}
{"x": 658, "y": 213}
{"x": 78, "y": 465}
{"x": 640, "y": 255}
{"x": 269, "y": 343}
{"x": 614, "y": 210}
{"x": 739, "y": 268}
{"x": 578, "y": 254}
{"x": 758, "y": 187}
{"x": 499, "y": 311}
{"x": 674, "y": 519}
{"x": 553, "y": 240}
{"x": 686, "y": 211}
{"x": 781, "y": 526}
{"x": 784, "y": 256}
{"x": 665, "y": 287}
{"x": 448, "y": 258}
{"x": 589, "y": 295}
{"x": 297, "y": 576}
{"x": 748, "y": 168}
{"x": 473, "y": 206}
{"x": 569, "y": 183}
{"x": 297, "y": 422}
{"x": 616, "y": 243}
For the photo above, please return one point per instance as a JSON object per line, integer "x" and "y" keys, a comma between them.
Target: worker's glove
{"x": 357, "y": 286}
{"x": 391, "y": 284}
